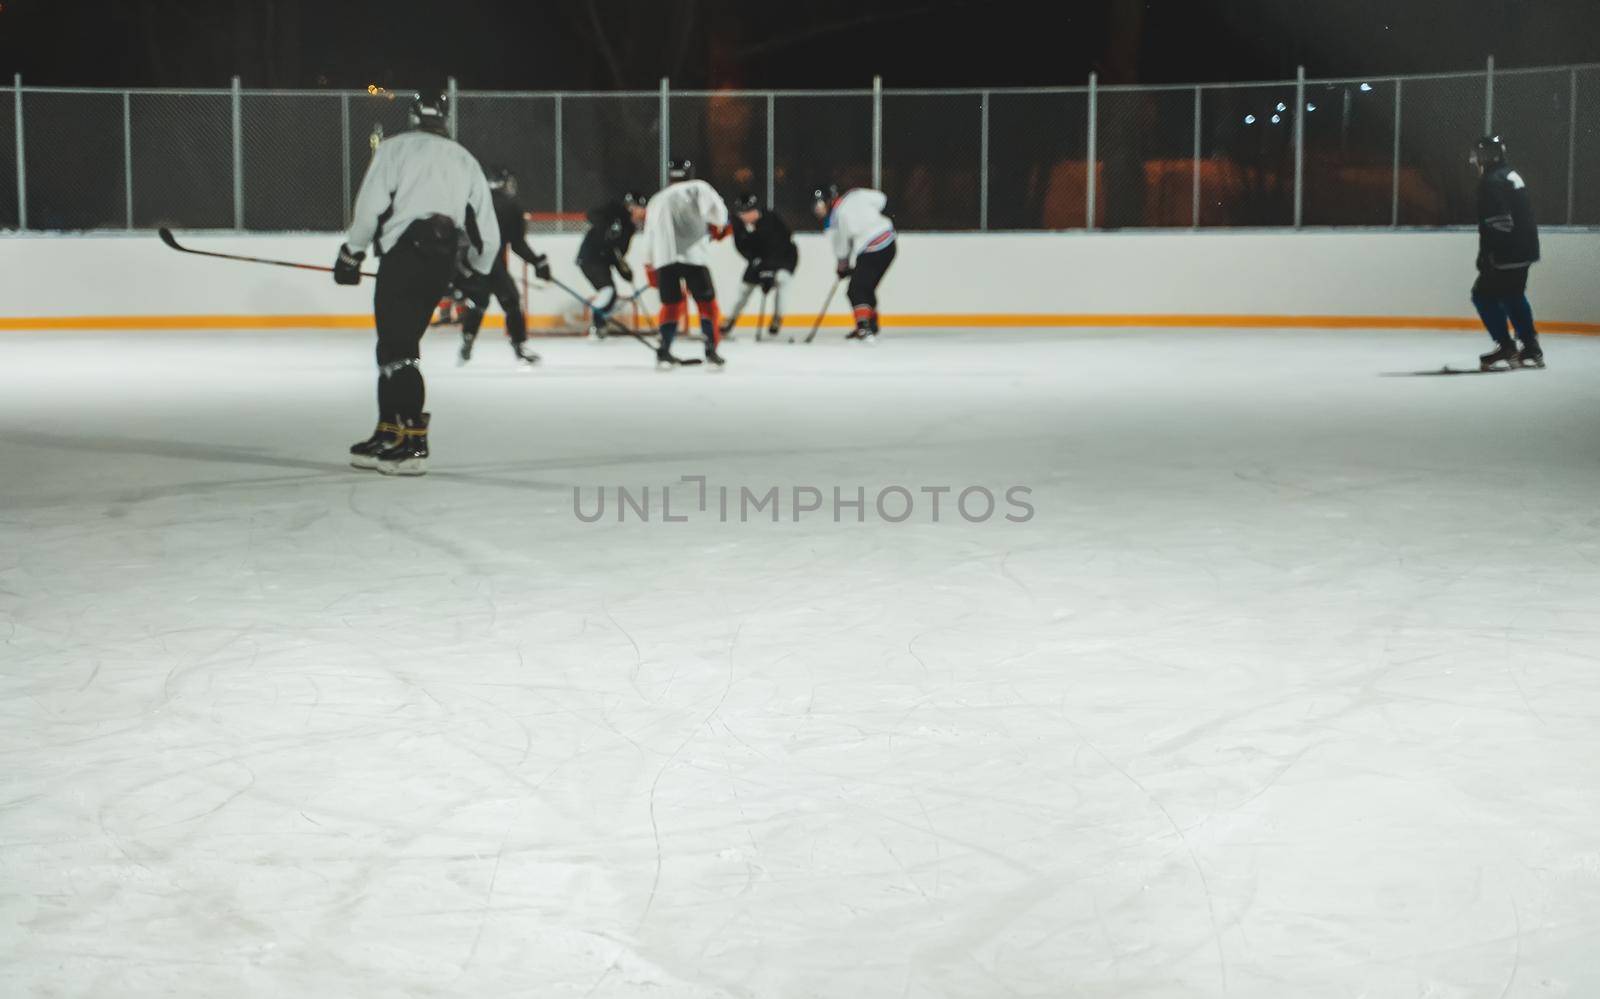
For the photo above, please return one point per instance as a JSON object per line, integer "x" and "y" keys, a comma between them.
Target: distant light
{"x": 1311, "y": 107}
{"x": 1366, "y": 88}
{"x": 1276, "y": 119}
{"x": 1249, "y": 119}
{"x": 1282, "y": 106}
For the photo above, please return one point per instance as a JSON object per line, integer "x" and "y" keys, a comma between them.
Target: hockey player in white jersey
{"x": 421, "y": 192}
{"x": 679, "y": 225}
{"x": 863, "y": 239}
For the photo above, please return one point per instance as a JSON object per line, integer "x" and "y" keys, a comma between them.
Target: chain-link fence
{"x": 9, "y": 99}
{"x": 1583, "y": 165}
{"x": 1355, "y": 152}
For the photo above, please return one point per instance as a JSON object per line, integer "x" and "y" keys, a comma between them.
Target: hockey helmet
{"x": 1487, "y": 152}
{"x": 430, "y": 110}
{"x": 501, "y": 179}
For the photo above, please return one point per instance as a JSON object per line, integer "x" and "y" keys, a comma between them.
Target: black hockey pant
{"x": 1501, "y": 299}
{"x": 505, "y": 291}
{"x": 863, "y": 290}
{"x": 412, "y": 277}
{"x": 671, "y": 281}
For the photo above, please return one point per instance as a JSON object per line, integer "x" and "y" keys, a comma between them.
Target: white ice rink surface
{"x": 1290, "y": 688}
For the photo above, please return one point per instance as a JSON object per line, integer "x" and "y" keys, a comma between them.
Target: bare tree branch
{"x": 603, "y": 42}
{"x": 780, "y": 42}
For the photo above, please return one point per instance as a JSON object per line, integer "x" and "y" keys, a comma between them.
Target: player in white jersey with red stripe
{"x": 679, "y": 225}
{"x": 864, "y": 244}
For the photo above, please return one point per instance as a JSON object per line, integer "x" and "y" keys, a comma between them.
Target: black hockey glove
{"x": 474, "y": 289}
{"x": 845, "y": 270}
{"x": 541, "y": 267}
{"x": 347, "y": 268}
{"x": 768, "y": 280}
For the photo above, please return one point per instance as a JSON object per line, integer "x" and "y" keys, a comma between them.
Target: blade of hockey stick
{"x": 172, "y": 241}
{"x": 687, "y": 362}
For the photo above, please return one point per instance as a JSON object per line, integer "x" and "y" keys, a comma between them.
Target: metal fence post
{"x": 983, "y": 164}
{"x": 1299, "y": 144}
{"x": 1488, "y": 97}
{"x": 127, "y": 160}
{"x": 666, "y": 128}
{"x": 344, "y": 154}
{"x": 1091, "y": 161}
{"x": 1394, "y": 193}
{"x": 877, "y": 132}
{"x": 1572, "y": 143}
{"x": 22, "y": 160}
{"x": 1196, "y": 223}
{"x": 238, "y": 157}
{"x": 771, "y": 147}
{"x": 561, "y": 224}
{"x": 454, "y": 117}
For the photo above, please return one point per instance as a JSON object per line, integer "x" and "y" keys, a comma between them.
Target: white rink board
{"x": 1318, "y": 273}
{"x": 1288, "y": 689}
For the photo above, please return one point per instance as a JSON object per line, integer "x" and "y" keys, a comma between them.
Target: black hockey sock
{"x": 405, "y": 389}
{"x": 516, "y": 326}
{"x": 668, "y": 332}
{"x": 386, "y": 410}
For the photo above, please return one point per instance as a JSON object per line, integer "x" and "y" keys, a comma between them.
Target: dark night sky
{"x": 605, "y": 44}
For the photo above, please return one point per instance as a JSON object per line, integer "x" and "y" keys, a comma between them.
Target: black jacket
{"x": 770, "y": 244}
{"x": 1508, "y": 238}
{"x": 610, "y": 234}
{"x": 513, "y": 227}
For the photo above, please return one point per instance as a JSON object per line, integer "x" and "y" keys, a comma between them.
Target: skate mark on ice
{"x": 638, "y": 656}
{"x": 655, "y": 827}
{"x": 91, "y": 677}
{"x": 1508, "y": 642}
{"x": 488, "y": 900}
{"x": 1516, "y": 955}
{"x": 1194, "y": 860}
{"x": 1005, "y": 570}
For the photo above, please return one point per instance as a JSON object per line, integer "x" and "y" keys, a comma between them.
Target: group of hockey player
{"x": 862, "y": 237}
{"x": 436, "y": 222}
{"x": 442, "y": 228}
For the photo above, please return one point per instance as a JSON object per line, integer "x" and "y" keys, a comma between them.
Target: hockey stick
{"x": 170, "y": 240}
{"x": 686, "y": 362}
{"x": 818, "y": 324}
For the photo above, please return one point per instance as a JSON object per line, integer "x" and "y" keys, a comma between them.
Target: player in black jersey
{"x": 508, "y": 212}
{"x": 605, "y": 249}
{"x": 1508, "y": 245}
{"x": 767, "y": 243}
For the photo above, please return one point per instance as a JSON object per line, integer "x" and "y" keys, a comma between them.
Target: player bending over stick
{"x": 679, "y": 225}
